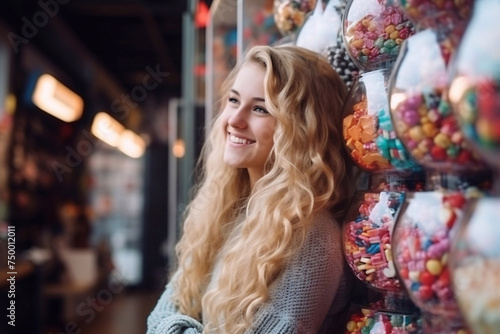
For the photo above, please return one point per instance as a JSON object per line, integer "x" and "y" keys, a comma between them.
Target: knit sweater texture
{"x": 306, "y": 297}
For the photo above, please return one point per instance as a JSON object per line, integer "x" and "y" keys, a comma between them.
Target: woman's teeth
{"x": 238, "y": 140}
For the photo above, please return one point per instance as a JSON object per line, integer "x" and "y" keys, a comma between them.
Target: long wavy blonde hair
{"x": 306, "y": 172}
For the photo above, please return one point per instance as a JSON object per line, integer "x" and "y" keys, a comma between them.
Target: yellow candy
{"x": 442, "y": 140}
{"x": 388, "y": 254}
{"x": 430, "y": 129}
{"x": 416, "y": 133}
{"x": 351, "y": 326}
{"x": 394, "y": 34}
{"x": 434, "y": 267}
{"x": 357, "y": 43}
{"x": 390, "y": 28}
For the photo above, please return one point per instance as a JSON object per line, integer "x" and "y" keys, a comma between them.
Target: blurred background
{"x": 102, "y": 109}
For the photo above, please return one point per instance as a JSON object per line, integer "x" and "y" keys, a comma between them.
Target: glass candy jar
{"x": 289, "y": 15}
{"x": 373, "y": 31}
{"x": 367, "y": 126}
{"x": 367, "y": 238}
{"x": 475, "y": 86}
{"x": 421, "y": 112}
{"x": 421, "y": 244}
{"x": 475, "y": 266}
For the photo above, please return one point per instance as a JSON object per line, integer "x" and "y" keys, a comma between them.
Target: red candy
{"x": 426, "y": 278}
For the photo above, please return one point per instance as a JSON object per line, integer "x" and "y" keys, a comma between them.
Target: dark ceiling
{"x": 126, "y": 36}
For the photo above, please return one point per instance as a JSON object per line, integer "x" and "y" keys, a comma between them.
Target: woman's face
{"x": 248, "y": 125}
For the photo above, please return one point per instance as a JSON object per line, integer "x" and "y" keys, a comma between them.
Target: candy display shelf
{"x": 475, "y": 94}
{"x": 428, "y": 128}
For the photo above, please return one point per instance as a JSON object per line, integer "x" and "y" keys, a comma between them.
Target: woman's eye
{"x": 232, "y": 100}
{"x": 261, "y": 110}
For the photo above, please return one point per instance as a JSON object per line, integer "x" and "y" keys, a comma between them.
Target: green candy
{"x": 390, "y": 43}
{"x": 379, "y": 42}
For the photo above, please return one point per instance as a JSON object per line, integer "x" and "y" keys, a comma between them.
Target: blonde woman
{"x": 261, "y": 247}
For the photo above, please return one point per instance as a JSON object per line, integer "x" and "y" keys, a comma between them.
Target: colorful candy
{"x": 421, "y": 243}
{"x": 367, "y": 126}
{"x": 475, "y": 88}
{"x": 429, "y": 12}
{"x": 373, "y": 32}
{"x": 422, "y": 115}
{"x": 289, "y": 15}
{"x": 370, "y": 321}
{"x": 367, "y": 240}
{"x": 479, "y": 114}
{"x": 475, "y": 266}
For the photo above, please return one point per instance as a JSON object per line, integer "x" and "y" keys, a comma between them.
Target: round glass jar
{"x": 290, "y": 15}
{"x": 475, "y": 265}
{"x": 422, "y": 237}
{"x": 373, "y": 31}
{"x": 420, "y": 110}
{"x": 475, "y": 85}
{"x": 367, "y": 127}
{"x": 367, "y": 238}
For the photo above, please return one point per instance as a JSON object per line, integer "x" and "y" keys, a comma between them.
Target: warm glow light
{"x": 202, "y": 15}
{"x": 56, "y": 99}
{"x": 396, "y": 99}
{"x": 107, "y": 129}
{"x": 179, "y": 148}
{"x": 10, "y": 103}
{"x": 457, "y": 89}
{"x": 131, "y": 144}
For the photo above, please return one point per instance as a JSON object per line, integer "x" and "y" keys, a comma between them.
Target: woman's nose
{"x": 238, "y": 119}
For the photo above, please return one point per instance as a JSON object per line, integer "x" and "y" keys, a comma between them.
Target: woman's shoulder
{"x": 324, "y": 221}
{"x": 324, "y": 235}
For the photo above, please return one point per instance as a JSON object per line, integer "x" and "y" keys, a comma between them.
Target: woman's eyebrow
{"x": 253, "y": 98}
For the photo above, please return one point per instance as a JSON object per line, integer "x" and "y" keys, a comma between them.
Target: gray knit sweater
{"x": 305, "y": 298}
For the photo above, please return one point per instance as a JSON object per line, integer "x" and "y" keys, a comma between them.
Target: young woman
{"x": 261, "y": 247}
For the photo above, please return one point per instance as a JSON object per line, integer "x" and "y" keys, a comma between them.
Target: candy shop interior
{"x": 87, "y": 92}
{"x": 103, "y": 106}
